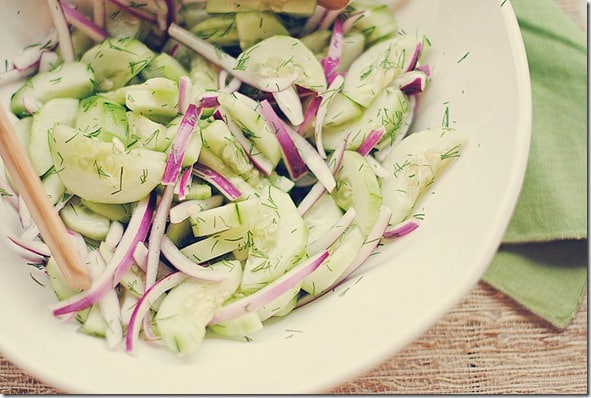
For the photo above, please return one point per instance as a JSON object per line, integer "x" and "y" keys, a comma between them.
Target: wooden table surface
{"x": 487, "y": 344}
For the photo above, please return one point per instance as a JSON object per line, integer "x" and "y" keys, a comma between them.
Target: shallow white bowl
{"x": 480, "y": 73}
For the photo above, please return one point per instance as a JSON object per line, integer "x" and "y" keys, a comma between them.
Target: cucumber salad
{"x": 219, "y": 163}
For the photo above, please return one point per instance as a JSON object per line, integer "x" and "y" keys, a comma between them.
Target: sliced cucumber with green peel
{"x": 243, "y": 325}
{"x": 279, "y": 240}
{"x": 218, "y": 138}
{"x": 322, "y": 216}
{"x": 377, "y": 22}
{"x": 54, "y": 187}
{"x": 57, "y": 110}
{"x": 99, "y": 171}
{"x": 186, "y": 310}
{"x": 284, "y": 56}
{"x": 341, "y": 254}
{"x": 146, "y": 133}
{"x": 217, "y": 245}
{"x": 341, "y": 110}
{"x": 101, "y": 118}
{"x": 221, "y": 218}
{"x": 67, "y": 80}
{"x": 255, "y": 26}
{"x": 296, "y": 7}
{"x": 247, "y": 116}
{"x": 377, "y": 67}
{"x": 414, "y": 164}
{"x": 114, "y": 212}
{"x": 164, "y": 65}
{"x": 218, "y": 29}
{"x": 358, "y": 187}
{"x": 391, "y": 111}
{"x": 156, "y": 99}
{"x": 81, "y": 219}
{"x": 116, "y": 61}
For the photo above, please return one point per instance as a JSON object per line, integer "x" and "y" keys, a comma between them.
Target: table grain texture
{"x": 486, "y": 344}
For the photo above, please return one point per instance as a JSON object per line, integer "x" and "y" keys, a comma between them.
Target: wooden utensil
{"x": 51, "y": 226}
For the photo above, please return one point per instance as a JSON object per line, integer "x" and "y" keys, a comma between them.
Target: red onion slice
{"x": 144, "y": 304}
{"x": 179, "y": 144}
{"x": 81, "y": 22}
{"x": 268, "y": 293}
{"x": 189, "y": 267}
{"x": 223, "y": 185}
{"x": 291, "y": 156}
{"x": 401, "y": 229}
{"x": 324, "y": 242}
{"x": 122, "y": 259}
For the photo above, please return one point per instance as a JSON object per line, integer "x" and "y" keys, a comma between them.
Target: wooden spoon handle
{"x": 51, "y": 226}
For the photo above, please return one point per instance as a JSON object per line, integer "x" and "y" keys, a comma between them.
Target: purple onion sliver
{"x": 179, "y": 145}
{"x": 404, "y": 228}
{"x": 370, "y": 141}
{"x": 270, "y": 292}
{"x": 217, "y": 180}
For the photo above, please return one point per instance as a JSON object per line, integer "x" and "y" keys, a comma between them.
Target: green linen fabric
{"x": 542, "y": 262}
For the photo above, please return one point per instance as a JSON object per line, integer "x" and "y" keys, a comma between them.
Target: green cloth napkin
{"x": 542, "y": 262}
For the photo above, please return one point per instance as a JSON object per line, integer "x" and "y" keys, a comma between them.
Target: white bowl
{"x": 480, "y": 73}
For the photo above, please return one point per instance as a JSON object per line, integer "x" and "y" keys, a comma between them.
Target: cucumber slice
{"x": 341, "y": 110}
{"x": 253, "y": 27}
{"x": 156, "y": 99}
{"x": 218, "y": 29}
{"x": 247, "y": 116}
{"x": 146, "y": 133}
{"x": 57, "y": 110}
{"x": 391, "y": 110}
{"x": 54, "y": 187}
{"x": 116, "y": 61}
{"x": 317, "y": 41}
{"x": 185, "y": 311}
{"x": 81, "y": 219}
{"x": 296, "y": 7}
{"x": 231, "y": 215}
{"x": 22, "y": 128}
{"x": 114, "y": 212}
{"x": 217, "y": 245}
{"x": 67, "y": 80}
{"x": 414, "y": 164}
{"x": 99, "y": 171}
{"x": 218, "y": 138}
{"x": 322, "y": 216}
{"x": 94, "y": 325}
{"x": 283, "y": 56}
{"x": 278, "y": 242}
{"x": 378, "y": 20}
{"x": 58, "y": 282}
{"x": 377, "y": 67}
{"x": 244, "y": 325}
{"x": 342, "y": 254}
{"x": 354, "y": 44}
{"x": 101, "y": 118}
{"x": 164, "y": 65}
{"x": 358, "y": 187}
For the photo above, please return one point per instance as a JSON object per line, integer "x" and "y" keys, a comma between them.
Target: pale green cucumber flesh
{"x": 67, "y": 80}
{"x": 104, "y": 119}
{"x": 358, "y": 187}
{"x": 342, "y": 254}
{"x": 57, "y": 110}
{"x": 100, "y": 172}
{"x": 81, "y": 219}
